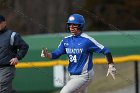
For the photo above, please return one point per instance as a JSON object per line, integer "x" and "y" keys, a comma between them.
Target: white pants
{"x": 78, "y": 83}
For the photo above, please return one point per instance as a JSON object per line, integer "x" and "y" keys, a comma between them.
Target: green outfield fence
{"x": 35, "y": 74}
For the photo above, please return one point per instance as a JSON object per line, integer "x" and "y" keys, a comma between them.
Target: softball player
{"x": 79, "y": 48}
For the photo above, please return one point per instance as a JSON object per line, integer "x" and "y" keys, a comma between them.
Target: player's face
{"x": 74, "y": 29}
{"x": 2, "y": 25}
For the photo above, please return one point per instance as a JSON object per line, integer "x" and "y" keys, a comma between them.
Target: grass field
{"x": 103, "y": 84}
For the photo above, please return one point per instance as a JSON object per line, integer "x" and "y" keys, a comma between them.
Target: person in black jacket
{"x": 12, "y": 49}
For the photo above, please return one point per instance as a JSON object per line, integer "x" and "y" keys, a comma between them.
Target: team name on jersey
{"x": 74, "y": 50}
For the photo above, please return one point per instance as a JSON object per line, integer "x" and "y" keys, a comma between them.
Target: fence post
{"x": 136, "y": 76}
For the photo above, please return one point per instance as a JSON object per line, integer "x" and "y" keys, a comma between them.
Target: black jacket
{"x": 8, "y": 51}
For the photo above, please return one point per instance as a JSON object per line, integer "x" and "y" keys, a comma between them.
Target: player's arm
{"x": 99, "y": 48}
{"x": 57, "y": 53}
{"x": 111, "y": 68}
{"x": 109, "y": 58}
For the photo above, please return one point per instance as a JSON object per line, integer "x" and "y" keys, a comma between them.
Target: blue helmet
{"x": 76, "y": 19}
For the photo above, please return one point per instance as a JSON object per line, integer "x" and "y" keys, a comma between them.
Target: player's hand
{"x": 44, "y": 52}
{"x": 111, "y": 70}
{"x": 14, "y": 61}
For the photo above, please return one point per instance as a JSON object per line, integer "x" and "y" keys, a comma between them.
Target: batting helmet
{"x": 76, "y": 19}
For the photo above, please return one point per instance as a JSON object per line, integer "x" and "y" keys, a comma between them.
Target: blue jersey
{"x": 79, "y": 50}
